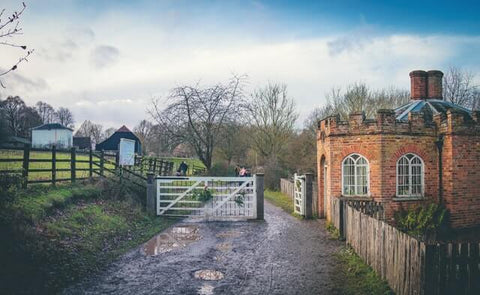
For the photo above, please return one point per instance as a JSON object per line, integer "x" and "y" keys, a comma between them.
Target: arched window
{"x": 355, "y": 176}
{"x": 410, "y": 176}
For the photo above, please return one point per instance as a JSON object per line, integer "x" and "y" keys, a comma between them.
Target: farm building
{"x": 47, "y": 135}
{"x": 424, "y": 151}
{"x": 112, "y": 143}
{"x": 82, "y": 142}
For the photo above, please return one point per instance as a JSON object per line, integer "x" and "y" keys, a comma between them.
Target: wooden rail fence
{"x": 55, "y": 165}
{"x": 410, "y": 266}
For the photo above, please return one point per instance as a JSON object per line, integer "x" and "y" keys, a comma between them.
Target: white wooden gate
{"x": 215, "y": 198}
{"x": 299, "y": 191}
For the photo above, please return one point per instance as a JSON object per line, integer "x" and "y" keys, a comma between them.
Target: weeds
{"x": 352, "y": 276}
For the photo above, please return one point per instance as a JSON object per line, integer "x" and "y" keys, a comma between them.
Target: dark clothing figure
{"x": 183, "y": 168}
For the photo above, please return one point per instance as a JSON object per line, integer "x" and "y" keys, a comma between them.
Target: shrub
{"x": 421, "y": 220}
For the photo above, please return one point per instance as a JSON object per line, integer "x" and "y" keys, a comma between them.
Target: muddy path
{"x": 282, "y": 255}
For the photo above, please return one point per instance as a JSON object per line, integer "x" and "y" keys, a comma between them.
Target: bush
{"x": 422, "y": 220}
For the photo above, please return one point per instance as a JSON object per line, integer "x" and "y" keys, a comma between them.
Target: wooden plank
{"x": 11, "y": 160}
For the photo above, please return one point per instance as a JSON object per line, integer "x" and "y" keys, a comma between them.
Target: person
{"x": 183, "y": 168}
{"x": 237, "y": 170}
{"x": 243, "y": 172}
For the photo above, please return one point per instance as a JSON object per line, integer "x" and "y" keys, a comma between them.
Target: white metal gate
{"x": 299, "y": 191}
{"x": 214, "y": 198}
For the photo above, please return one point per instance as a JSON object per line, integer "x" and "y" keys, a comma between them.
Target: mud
{"x": 175, "y": 237}
{"x": 282, "y": 255}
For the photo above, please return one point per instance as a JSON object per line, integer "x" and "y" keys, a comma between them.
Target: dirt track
{"x": 282, "y": 255}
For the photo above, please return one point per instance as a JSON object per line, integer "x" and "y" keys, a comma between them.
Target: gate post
{"x": 259, "y": 192}
{"x": 308, "y": 195}
{"x": 151, "y": 194}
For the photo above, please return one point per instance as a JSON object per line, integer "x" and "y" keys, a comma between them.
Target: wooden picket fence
{"x": 54, "y": 165}
{"x": 410, "y": 266}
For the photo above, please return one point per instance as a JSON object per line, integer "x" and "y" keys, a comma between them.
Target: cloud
{"x": 104, "y": 56}
{"x": 18, "y": 83}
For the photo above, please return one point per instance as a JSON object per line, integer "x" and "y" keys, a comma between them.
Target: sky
{"x": 107, "y": 60}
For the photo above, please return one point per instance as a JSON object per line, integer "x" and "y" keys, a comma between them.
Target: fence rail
{"x": 34, "y": 165}
{"x": 410, "y": 266}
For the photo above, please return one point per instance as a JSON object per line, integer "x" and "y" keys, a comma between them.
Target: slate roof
{"x": 429, "y": 107}
{"x": 51, "y": 126}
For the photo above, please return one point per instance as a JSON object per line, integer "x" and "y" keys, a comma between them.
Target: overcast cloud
{"x": 107, "y": 63}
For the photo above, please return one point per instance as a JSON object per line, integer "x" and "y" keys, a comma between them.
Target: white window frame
{"x": 410, "y": 183}
{"x": 355, "y": 175}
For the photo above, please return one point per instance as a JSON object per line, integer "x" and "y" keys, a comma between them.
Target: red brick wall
{"x": 462, "y": 174}
{"x": 384, "y": 141}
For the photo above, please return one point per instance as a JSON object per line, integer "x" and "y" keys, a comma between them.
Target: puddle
{"x": 176, "y": 237}
{"x": 229, "y": 234}
{"x": 208, "y": 275}
{"x": 206, "y": 289}
{"x": 224, "y": 247}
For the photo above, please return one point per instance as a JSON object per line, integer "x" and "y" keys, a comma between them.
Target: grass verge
{"x": 281, "y": 200}
{"x": 52, "y": 237}
{"x": 352, "y": 276}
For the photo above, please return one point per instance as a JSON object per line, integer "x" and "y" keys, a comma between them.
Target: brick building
{"x": 428, "y": 149}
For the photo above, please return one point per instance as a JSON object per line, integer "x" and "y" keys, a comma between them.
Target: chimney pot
{"x": 435, "y": 85}
{"x": 418, "y": 84}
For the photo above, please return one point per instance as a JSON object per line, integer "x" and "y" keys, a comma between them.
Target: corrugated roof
{"x": 51, "y": 126}
{"x": 429, "y": 107}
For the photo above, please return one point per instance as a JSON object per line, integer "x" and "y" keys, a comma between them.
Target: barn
{"x": 111, "y": 143}
{"x": 47, "y": 135}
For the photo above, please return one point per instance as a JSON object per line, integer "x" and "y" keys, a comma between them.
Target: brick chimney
{"x": 426, "y": 85}
{"x": 435, "y": 85}
{"x": 418, "y": 84}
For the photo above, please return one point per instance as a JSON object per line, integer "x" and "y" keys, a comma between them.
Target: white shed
{"x": 56, "y": 134}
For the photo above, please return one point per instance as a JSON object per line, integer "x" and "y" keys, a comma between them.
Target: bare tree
{"x": 92, "y": 130}
{"x": 65, "y": 117}
{"x": 12, "y": 109}
{"x": 196, "y": 116}
{"x": 144, "y": 132}
{"x": 272, "y": 116}
{"x": 45, "y": 111}
{"x": 9, "y": 28}
{"x": 358, "y": 97}
{"x": 459, "y": 87}
{"x": 108, "y": 132}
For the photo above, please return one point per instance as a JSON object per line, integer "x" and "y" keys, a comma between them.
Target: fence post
{"x": 54, "y": 164}
{"x": 90, "y": 162}
{"x": 26, "y": 160}
{"x": 117, "y": 159}
{"x": 259, "y": 181}
{"x": 308, "y": 195}
{"x": 102, "y": 162}
{"x": 341, "y": 216}
{"x": 72, "y": 165}
{"x": 151, "y": 194}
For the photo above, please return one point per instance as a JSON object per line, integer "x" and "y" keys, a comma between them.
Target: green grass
{"x": 53, "y": 236}
{"x": 190, "y": 162}
{"x": 281, "y": 200}
{"x": 17, "y": 166}
{"x": 37, "y": 202}
{"x": 352, "y": 276}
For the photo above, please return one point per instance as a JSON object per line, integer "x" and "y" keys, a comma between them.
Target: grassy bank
{"x": 281, "y": 200}
{"x": 55, "y": 236}
{"x": 351, "y": 275}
